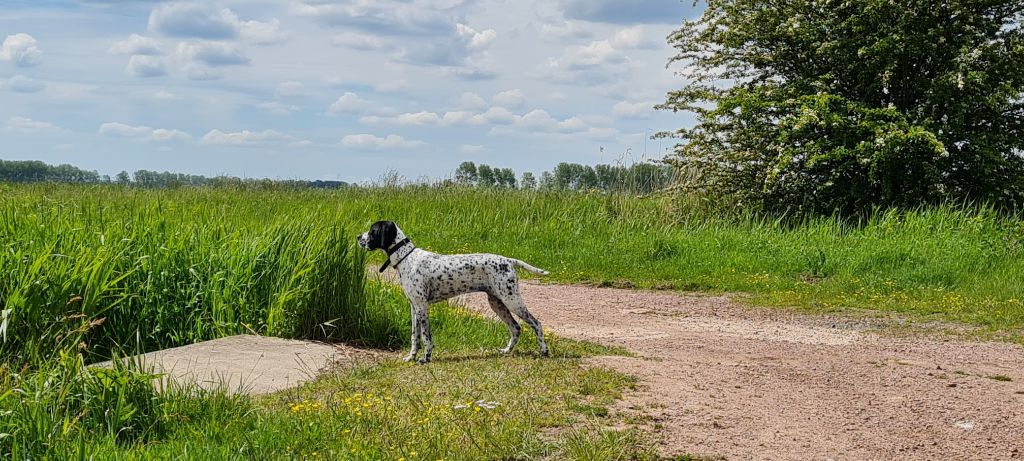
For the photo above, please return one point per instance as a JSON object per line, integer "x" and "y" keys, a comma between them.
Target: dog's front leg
{"x": 415, "y": 347}
{"x": 423, "y": 319}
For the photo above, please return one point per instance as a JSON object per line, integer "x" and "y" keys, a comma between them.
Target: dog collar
{"x": 397, "y": 253}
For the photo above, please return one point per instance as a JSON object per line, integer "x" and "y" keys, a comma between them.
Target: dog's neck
{"x": 398, "y": 252}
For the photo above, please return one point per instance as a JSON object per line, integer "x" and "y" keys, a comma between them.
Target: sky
{"x": 335, "y": 90}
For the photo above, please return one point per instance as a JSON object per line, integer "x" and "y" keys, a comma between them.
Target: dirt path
{"x": 722, "y": 380}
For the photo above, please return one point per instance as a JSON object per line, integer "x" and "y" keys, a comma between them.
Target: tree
{"x": 528, "y": 182}
{"x": 124, "y": 178}
{"x": 466, "y": 173}
{"x": 486, "y": 176}
{"x": 505, "y": 178}
{"x": 836, "y": 105}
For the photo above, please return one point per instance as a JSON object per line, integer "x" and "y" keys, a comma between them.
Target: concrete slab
{"x": 245, "y": 363}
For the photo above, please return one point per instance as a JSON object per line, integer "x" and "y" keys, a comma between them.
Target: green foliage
{"x": 105, "y": 268}
{"x": 823, "y": 106}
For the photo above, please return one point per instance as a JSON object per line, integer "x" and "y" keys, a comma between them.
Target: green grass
{"x": 943, "y": 263}
{"x": 93, "y": 271}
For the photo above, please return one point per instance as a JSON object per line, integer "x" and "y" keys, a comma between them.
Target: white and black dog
{"x": 429, "y": 277}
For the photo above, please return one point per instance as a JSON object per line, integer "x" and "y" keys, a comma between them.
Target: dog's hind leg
{"x": 515, "y": 303}
{"x": 513, "y": 326}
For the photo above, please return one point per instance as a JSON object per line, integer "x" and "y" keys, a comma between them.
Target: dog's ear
{"x": 382, "y": 235}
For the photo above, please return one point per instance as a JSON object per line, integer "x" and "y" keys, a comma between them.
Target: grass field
{"x": 91, "y": 271}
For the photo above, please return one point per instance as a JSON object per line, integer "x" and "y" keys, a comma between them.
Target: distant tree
{"x": 547, "y": 181}
{"x": 486, "y": 176}
{"x": 528, "y": 182}
{"x": 505, "y": 178}
{"x": 466, "y": 173}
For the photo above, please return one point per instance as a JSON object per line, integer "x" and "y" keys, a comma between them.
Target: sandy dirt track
{"x": 721, "y": 380}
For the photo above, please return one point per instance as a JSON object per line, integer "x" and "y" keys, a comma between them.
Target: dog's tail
{"x": 529, "y": 267}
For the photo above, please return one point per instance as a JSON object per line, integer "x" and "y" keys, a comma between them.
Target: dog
{"x": 427, "y": 278}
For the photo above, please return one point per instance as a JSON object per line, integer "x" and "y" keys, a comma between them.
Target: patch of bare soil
{"x": 719, "y": 379}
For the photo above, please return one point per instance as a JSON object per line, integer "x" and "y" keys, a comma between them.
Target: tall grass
{"x": 108, "y": 268}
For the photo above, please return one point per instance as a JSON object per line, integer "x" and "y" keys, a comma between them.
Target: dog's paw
{"x": 423, "y": 361}
{"x": 409, "y": 358}
{"x": 505, "y": 350}
{"x": 545, "y": 353}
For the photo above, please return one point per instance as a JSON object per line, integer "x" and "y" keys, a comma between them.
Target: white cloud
{"x": 262, "y": 33}
{"x": 27, "y": 125}
{"x": 371, "y": 142}
{"x": 477, "y": 39}
{"x": 512, "y": 98}
{"x": 164, "y": 95}
{"x": 636, "y": 37}
{"x": 137, "y": 44}
{"x": 540, "y": 120}
{"x": 288, "y": 89}
{"x": 212, "y": 54}
{"x": 278, "y": 108}
{"x": 471, "y": 149}
{"x": 21, "y": 49}
{"x": 349, "y": 103}
{"x": 471, "y": 101}
{"x": 564, "y": 31}
{"x": 246, "y": 138}
{"x": 640, "y": 110}
{"x": 202, "y": 73}
{"x": 357, "y": 41}
{"x": 23, "y": 84}
{"x": 193, "y": 20}
{"x": 121, "y": 130}
{"x": 146, "y": 66}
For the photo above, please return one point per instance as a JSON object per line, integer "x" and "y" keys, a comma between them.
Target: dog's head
{"x": 381, "y": 236}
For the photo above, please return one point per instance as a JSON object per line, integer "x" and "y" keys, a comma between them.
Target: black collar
{"x": 394, "y": 249}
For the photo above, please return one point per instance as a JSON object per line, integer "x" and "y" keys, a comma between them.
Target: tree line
{"x": 636, "y": 178}
{"x": 27, "y": 171}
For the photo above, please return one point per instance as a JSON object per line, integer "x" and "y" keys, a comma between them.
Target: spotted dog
{"x": 429, "y": 277}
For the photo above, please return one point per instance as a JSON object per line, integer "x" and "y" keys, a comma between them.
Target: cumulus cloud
{"x": 636, "y": 37}
{"x": 201, "y": 73}
{"x": 164, "y": 95}
{"x": 246, "y": 138}
{"x": 565, "y": 31}
{"x": 194, "y": 20}
{"x": 23, "y": 84}
{"x": 146, "y": 66}
{"x": 278, "y": 107}
{"x": 371, "y": 142}
{"x": 137, "y": 44}
{"x": 121, "y": 130}
{"x": 387, "y": 17}
{"x": 21, "y": 49}
{"x": 349, "y": 103}
{"x": 512, "y": 98}
{"x": 453, "y": 50}
{"x": 289, "y": 89}
{"x": 212, "y": 54}
{"x": 632, "y": 12}
{"x": 358, "y": 41}
{"x": 471, "y": 101}
{"x": 640, "y": 110}
{"x": 26, "y": 125}
{"x": 601, "y": 60}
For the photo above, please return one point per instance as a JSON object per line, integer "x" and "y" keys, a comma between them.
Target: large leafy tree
{"x": 842, "y": 105}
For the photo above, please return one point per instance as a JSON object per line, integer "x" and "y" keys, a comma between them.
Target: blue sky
{"x": 344, "y": 90}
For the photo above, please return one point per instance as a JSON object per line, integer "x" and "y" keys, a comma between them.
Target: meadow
{"x": 93, "y": 271}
